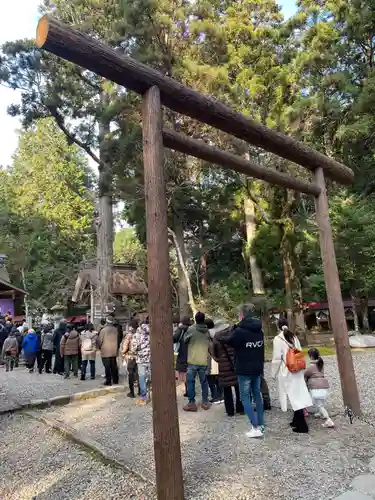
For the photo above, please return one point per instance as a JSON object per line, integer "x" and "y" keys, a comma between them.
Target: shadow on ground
{"x": 37, "y": 463}
{"x": 220, "y": 462}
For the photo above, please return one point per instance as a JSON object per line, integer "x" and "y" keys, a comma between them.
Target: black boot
{"x": 300, "y": 425}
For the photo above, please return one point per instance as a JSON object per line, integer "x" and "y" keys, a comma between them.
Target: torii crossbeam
{"x": 158, "y": 90}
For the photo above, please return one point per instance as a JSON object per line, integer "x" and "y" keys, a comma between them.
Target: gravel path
{"x": 220, "y": 463}
{"x": 20, "y": 386}
{"x": 36, "y": 463}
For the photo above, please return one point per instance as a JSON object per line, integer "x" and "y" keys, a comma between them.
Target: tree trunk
{"x": 355, "y": 315}
{"x": 364, "y": 309}
{"x": 293, "y": 288}
{"x": 105, "y": 222}
{"x": 26, "y": 302}
{"x": 293, "y": 293}
{"x": 256, "y": 274}
{"x": 203, "y": 266}
{"x": 288, "y": 287}
{"x": 299, "y": 317}
{"x": 185, "y": 292}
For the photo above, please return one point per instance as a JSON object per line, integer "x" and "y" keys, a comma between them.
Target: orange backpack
{"x": 295, "y": 359}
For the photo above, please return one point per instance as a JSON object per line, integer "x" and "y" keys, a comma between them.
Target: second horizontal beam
{"x": 229, "y": 161}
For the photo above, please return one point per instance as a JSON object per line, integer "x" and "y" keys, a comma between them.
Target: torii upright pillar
{"x": 169, "y": 482}
{"x": 336, "y": 308}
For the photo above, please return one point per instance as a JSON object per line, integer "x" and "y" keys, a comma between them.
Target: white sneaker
{"x": 328, "y": 424}
{"x": 218, "y": 401}
{"x": 254, "y": 433}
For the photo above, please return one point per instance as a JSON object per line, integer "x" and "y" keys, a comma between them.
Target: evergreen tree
{"x": 46, "y": 214}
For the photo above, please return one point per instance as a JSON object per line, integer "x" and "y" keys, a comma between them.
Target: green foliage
{"x": 49, "y": 177}
{"x": 311, "y": 76}
{"x": 127, "y": 249}
{"x": 46, "y": 214}
{"x": 223, "y": 298}
{"x": 353, "y": 221}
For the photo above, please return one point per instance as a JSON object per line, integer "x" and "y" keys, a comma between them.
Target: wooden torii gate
{"x": 158, "y": 90}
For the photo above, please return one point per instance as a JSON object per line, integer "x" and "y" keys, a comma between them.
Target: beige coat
{"x": 108, "y": 341}
{"x": 88, "y": 344}
{"x": 69, "y": 345}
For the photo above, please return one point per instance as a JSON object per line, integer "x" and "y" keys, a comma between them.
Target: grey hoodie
{"x": 47, "y": 341}
{"x": 10, "y": 344}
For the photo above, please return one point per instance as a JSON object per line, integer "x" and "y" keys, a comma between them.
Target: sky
{"x": 18, "y": 19}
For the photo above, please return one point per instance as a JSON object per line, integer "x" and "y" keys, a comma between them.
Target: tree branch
{"x": 86, "y": 80}
{"x": 71, "y": 136}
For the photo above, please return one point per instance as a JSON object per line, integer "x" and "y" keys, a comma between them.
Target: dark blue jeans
{"x": 84, "y": 367}
{"x": 250, "y": 385}
{"x": 192, "y": 372}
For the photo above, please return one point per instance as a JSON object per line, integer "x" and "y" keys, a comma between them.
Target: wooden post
{"x": 336, "y": 307}
{"x": 167, "y": 450}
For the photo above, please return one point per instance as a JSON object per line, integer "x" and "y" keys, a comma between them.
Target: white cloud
{"x": 18, "y": 19}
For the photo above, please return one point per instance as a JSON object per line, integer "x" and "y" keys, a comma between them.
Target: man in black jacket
{"x": 59, "y": 360}
{"x": 247, "y": 340}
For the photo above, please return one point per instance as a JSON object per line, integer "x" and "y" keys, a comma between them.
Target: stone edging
{"x": 35, "y": 404}
{"x": 104, "y": 454}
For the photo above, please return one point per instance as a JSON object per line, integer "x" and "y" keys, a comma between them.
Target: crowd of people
{"x": 73, "y": 347}
{"x": 239, "y": 353}
{"x": 229, "y": 363}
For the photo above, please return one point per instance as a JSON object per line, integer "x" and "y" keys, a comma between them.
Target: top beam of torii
{"x": 93, "y": 55}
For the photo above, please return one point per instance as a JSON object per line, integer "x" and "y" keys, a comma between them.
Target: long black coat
{"x": 181, "y": 361}
{"x": 224, "y": 356}
{"x": 59, "y": 360}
